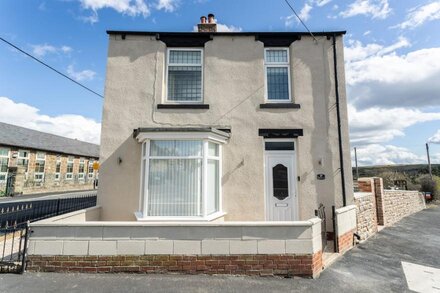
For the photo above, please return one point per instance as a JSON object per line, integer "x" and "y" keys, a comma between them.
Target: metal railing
{"x": 14, "y": 225}
{"x": 17, "y": 213}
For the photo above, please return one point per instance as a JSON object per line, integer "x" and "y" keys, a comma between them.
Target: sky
{"x": 392, "y": 61}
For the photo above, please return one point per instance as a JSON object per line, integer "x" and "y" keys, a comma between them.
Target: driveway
{"x": 374, "y": 266}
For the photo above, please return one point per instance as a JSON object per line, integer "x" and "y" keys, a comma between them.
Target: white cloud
{"x": 375, "y": 8}
{"x": 128, "y": 7}
{"x": 367, "y": 33}
{"x": 376, "y": 154}
{"x": 321, "y": 3}
{"x": 377, "y": 125}
{"x": 435, "y": 138}
{"x": 68, "y": 125}
{"x": 44, "y": 49}
{"x": 419, "y": 15}
{"x": 304, "y": 14}
{"x": 86, "y": 74}
{"x": 223, "y": 28}
{"x": 357, "y": 51}
{"x": 167, "y": 5}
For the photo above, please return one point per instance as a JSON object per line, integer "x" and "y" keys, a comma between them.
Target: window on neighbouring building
{"x": 81, "y": 169}
{"x": 277, "y": 70}
{"x": 23, "y": 159}
{"x": 183, "y": 178}
{"x": 40, "y": 162}
{"x": 185, "y": 75}
{"x": 4, "y": 161}
{"x": 69, "y": 170}
{"x": 90, "y": 170}
{"x": 58, "y": 168}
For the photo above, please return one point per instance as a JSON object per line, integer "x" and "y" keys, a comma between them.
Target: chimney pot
{"x": 207, "y": 27}
{"x": 211, "y": 18}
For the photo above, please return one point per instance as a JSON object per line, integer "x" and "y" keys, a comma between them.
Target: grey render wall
{"x": 234, "y": 89}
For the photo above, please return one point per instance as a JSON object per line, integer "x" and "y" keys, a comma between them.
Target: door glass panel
{"x": 280, "y": 182}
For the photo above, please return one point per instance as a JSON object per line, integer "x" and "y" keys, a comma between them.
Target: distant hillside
{"x": 410, "y": 170}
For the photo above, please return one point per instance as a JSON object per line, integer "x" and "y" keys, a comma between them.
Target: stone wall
{"x": 26, "y": 183}
{"x": 366, "y": 214}
{"x": 401, "y": 203}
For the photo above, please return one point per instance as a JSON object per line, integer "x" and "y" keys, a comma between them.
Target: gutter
{"x": 338, "y": 113}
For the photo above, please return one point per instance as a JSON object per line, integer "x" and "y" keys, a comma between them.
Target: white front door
{"x": 280, "y": 186}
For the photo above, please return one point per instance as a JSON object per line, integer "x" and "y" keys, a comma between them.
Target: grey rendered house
{"x": 210, "y": 126}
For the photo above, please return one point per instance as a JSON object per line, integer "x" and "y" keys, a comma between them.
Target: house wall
{"x": 25, "y": 182}
{"x": 69, "y": 243}
{"x": 234, "y": 88}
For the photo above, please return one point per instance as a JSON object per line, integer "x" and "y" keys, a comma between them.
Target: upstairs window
{"x": 184, "y": 75}
{"x": 4, "y": 161}
{"x": 39, "y": 166}
{"x": 81, "y": 169}
{"x": 58, "y": 168}
{"x": 276, "y": 65}
{"x": 69, "y": 171}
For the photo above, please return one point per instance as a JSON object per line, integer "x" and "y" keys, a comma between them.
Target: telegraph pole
{"x": 356, "y": 162}
{"x": 429, "y": 160}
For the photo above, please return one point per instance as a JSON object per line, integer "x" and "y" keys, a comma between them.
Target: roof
{"x": 192, "y": 34}
{"x": 219, "y": 131}
{"x": 16, "y": 136}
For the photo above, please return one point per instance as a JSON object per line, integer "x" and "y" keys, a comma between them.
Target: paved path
{"x": 374, "y": 266}
{"x": 51, "y": 195}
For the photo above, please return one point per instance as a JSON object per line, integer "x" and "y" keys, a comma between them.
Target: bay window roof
{"x": 218, "y": 134}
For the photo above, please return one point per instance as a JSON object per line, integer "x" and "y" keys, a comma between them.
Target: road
{"x": 52, "y": 195}
{"x": 408, "y": 251}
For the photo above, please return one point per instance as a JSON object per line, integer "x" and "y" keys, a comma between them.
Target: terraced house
{"x": 32, "y": 162}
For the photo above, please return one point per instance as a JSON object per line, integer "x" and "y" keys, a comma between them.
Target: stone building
{"x": 32, "y": 162}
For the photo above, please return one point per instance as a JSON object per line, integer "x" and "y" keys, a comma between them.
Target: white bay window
{"x": 180, "y": 177}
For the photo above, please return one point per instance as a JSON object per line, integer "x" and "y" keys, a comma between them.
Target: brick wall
{"x": 260, "y": 265}
{"x": 345, "y": 241}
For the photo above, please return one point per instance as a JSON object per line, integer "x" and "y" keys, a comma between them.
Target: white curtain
{"x": 174, "y": 183}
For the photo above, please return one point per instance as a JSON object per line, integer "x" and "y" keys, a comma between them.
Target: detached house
{"x": 231, "y": 126}
{"x": 217, "y": 150}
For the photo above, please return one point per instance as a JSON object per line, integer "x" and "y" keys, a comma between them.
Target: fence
{"x": 14, "y": 225}
{"x": 17, "y": 213}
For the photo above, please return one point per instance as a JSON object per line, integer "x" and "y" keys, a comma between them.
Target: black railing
{"x": 13, "y": 248}
{"x": 18, "y": 213}
{"x": 320, "y": 212}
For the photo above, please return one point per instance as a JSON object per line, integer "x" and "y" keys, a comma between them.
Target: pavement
{"x": 49, "y": 195}
{"x": 409, "y": 250}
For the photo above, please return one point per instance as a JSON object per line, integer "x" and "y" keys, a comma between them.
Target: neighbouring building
{"x": 33, "y": 161}
{"x": 224, "y": 125}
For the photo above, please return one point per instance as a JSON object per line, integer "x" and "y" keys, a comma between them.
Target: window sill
{"x": 182, "y": 106}
{"x": 280, "y": 106}
{"x": 140, "y": 218}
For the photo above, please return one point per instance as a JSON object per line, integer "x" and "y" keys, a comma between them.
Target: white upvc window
{"x": 58, "y": 168}
{"x": 181, "y": 179}
{"x": 4, "y": 162}
{"x": 184, "y": 75}
{"x": 69, "y": 169}
{"x": 90, "y": 171}
{"x": 23, "y": 160}
{"x": 277, "y": 75}
{"x": 81, "y": 169}
{"x": 40, "y": 162}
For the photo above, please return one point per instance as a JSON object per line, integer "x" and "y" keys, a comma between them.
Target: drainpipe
{"x": 338, "y": 113}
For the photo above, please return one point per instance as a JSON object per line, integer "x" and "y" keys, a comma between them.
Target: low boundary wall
{"x": 253, "y": 248}
{"x": 345, "y": 227}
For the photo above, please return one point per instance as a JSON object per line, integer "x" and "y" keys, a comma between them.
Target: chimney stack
{"x": 207, "y": 27}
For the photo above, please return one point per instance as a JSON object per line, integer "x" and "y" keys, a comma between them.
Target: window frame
{"x": 81, "y": 175}
{"x": 90, "y": 164}
{"x": 145, "y": 164}
{"x": 277, "y": 64}
{"x": 167, "y": 64}
{"x": 67, "y": 166}
{"x": 58, "y": 174}
{"x": 7, "y": 164}
{"x": 39, "y": 173}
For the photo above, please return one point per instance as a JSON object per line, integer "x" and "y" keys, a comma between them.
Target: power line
{"x": 50, "y": 67}
{"x": 299, "y": 18}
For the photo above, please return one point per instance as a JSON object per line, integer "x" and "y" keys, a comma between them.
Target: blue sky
{"x": 392, "y": 55}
